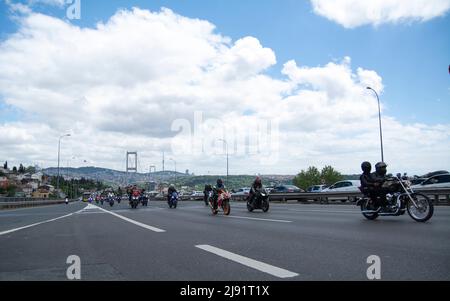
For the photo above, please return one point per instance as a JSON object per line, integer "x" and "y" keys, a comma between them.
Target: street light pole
{"x": 59, "y": 152}
{"x": 226, "y": 146}
{"x": 379, "y": 120}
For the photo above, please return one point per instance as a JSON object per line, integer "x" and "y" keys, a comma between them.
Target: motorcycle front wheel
{"x": 226, "y": 207}
{"x": 423, "y": 211}
{"x": 249, "y": 207}
{"x": 265, "y": 206}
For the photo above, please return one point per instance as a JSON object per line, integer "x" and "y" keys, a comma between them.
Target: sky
{"x": 282, "y": 82}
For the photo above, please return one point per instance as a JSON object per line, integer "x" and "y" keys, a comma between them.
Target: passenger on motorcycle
{"x": 256, "y": 186}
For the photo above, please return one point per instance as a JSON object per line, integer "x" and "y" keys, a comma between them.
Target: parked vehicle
{"x": 343, "y": 186}
{"x": 400, "y": 199}
{"x": 241, "y": 192}
{"x": 287, "y": 189}
{"x": 316, "y": 188}
{"x": 437, "y": 181}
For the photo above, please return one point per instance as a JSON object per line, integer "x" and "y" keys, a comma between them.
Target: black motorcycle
{"x": 144, "y": 201}
{"x": 111, "y": 201}
{"x": 259, "y": 201}
{"x": 134, "y": 202}
{"x": 399, "y": 199}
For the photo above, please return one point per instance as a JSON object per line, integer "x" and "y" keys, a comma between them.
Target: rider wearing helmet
{"x": 256, "y": 186}
{"x": 217, "y": 190}
{"x": 367, "y": 183}
{"x": 379, "y": 177}
{"x": 170, "y": 191}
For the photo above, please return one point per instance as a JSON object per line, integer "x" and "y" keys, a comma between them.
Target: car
{"x": 316, "y": 188}
{"x": 286, "y": 189}
{"x": 343, "y": 186}
{"x": 242, "y": 192}
{"x": 197, "y": 193}
{"x": 437, "y": 181}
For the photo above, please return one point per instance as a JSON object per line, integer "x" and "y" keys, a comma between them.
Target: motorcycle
{"x": 173, "y": 200}
{"x": 222, "y": 202}
{"x": 260, "y": 201}
{"x": 134, "y": 201}
{"x": 401, "y": 198}
{"x": 144, "y": 201}
{"x": 111, "y": 201}
{"x": 206, "y": 197}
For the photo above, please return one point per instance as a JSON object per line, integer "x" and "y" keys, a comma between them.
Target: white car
{"x": 347, "y": 185}
{"x": 197, "y": 193}
{"x": 438, "y": 181}
{"x": 343, "y": 186}
{"x": 242, "y": 192}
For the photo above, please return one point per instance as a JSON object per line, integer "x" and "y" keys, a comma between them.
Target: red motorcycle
{"x": 222, "y": 202}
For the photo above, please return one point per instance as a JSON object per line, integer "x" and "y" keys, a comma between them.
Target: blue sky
{"x": 412, "y": 58}
{"x": 404, "y": 49}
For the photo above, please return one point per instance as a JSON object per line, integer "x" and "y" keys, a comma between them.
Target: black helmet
{"x": 219, "y": 182}
{"x": 366, "y": 166}
{"x": 380, "y": 168}
{"x": 258, "y": 180}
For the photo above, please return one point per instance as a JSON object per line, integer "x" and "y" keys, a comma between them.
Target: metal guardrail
{"x": 440, "y": 196}
{"x": 29, "y": 203}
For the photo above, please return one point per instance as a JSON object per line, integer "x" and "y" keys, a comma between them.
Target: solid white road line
{"x": 40, "y": 223}
{"x": 258, "y": 219}
{"x": 258, "y": 265}
{"x": 128, "y": 219}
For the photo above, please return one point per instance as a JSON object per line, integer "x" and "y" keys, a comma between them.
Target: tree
{"x": 21, "y": 168}
{"x": 307, "y": 178}
{"x": 330, "y": 176}
{"x": 30, "y": 169}
{"x": 5, "y": 166}
{"x": 14, "y": 169}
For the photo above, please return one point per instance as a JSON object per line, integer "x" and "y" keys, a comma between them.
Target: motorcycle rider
{"x": 170, "y": 191}
{"x": 206, "y": 191}
{"x": 378, "y": 177}
{"x": 218, "y": 189}
{"x": 256, "y": 187}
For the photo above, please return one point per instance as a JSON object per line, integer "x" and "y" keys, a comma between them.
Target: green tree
{"x": 21, "y": 168}
{"x": 308, "y": 178}
{"x": 14, "y": 169}
{"x": 11, "y": 190}
{"x": 30, "y": 169}
{"x": 330, "y": 176}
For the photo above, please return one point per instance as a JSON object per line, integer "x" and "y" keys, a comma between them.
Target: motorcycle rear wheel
{"x": 369, "y": 216}
{"x": 425, "y": 210}
{"x": 249, "y": 207}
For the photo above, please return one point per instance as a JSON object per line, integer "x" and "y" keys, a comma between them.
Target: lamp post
{"x": 226, "y": 146}
{"x": 379, "y": 120}
{"x": 59, "y": 152}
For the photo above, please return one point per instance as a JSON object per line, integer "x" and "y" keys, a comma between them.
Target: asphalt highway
{"x": 294, "y": 242}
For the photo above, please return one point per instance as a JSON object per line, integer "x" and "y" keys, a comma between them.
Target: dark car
{"x": 287, "y": 188}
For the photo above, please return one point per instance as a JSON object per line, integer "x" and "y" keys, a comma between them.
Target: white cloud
{"x": 354, "y": 13}
{"x": 120, "y": 85}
